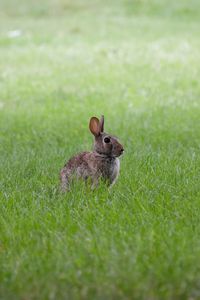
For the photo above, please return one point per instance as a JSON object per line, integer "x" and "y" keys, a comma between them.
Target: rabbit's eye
{"x": 107, "y": 140}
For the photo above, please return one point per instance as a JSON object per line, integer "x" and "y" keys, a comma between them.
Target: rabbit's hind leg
{"x": 64, "y": 178}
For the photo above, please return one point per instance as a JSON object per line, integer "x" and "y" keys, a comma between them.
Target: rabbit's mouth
{"x": 119, "y": 152}
{"x": 117, "y": 155}
{"x": 110, "y": 155}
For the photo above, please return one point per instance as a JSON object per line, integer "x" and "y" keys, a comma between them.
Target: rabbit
{"x": 100, "y": 164}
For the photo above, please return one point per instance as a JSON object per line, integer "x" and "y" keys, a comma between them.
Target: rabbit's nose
{"x": 122, "y": 150}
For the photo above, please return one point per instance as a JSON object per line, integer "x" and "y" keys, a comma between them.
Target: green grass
{"x": 138, "y": 62}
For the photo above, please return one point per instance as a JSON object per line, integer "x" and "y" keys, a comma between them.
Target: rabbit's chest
{"x": 112, "y": 170}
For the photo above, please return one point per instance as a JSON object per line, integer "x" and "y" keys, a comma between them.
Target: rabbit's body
{"x": 91, "y": 165}
{"x": 101, "y": 164}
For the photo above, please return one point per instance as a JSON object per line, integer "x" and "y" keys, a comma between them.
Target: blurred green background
{"x": 138, "y": 63}
{"x": 59, "y": 8}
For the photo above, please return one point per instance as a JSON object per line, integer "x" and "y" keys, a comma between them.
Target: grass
{"x": 138, "y": 63}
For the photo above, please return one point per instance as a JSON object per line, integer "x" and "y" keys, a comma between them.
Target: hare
{"x": 100, "y": 164}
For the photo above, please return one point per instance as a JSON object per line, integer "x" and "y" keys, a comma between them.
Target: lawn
{"x": 138, "y": 63}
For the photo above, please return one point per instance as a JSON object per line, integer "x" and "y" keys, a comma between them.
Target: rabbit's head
{"x": 105, "y": 144}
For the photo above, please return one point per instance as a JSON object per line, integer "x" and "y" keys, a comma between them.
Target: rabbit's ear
{"x": 94, "y": 126}
{"x": 101, "y": 124}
